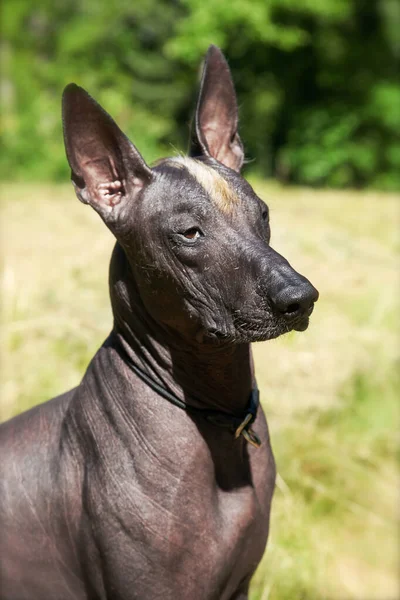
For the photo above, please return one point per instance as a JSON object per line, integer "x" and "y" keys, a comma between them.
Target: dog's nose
{"x": 296, "y": 301}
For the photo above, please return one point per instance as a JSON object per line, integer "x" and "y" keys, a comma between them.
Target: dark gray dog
{"x": 153, "y": 478}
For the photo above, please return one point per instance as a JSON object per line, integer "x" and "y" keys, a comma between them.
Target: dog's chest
{"x": 156, "y": 521}
{"x": 220, "y": 543}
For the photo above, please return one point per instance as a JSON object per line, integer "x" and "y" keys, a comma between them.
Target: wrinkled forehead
{"x": 223, "y": 190}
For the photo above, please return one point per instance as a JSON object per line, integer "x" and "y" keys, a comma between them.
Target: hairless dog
{"x": 154, "y": 477}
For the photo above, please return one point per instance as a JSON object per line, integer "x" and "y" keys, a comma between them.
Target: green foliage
{"x": 318, "y": 81}
{"x": 114, "y": 50}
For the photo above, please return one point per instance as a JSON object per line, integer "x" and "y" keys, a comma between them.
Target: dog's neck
{"x": 203, "y": 375}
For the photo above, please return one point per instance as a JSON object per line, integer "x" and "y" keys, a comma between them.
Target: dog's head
{"x": 194, "y": 232}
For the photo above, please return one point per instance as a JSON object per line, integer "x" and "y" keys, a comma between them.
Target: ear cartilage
{"x": 111, "y": 192}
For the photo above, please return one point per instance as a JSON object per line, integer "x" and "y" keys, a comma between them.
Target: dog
{"x": 154, "y": 477}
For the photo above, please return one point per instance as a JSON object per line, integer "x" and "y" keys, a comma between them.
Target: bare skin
{"x": 110, "y": 491}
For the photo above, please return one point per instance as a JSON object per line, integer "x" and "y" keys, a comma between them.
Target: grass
{"x": 329, "y": 393}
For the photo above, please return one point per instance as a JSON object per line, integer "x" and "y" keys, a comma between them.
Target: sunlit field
{"x": 330, "y": 393}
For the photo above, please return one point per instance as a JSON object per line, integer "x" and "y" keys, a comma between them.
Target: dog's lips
{"x": 254, "y": 330}
{"x": 215, "y": 334}
{"x": 301, "y": 325}
{"x": 245, "y": 335}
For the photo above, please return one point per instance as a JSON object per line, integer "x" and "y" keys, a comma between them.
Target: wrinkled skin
{"x": 226, "y": 296}
{"x": 110, "y": 491}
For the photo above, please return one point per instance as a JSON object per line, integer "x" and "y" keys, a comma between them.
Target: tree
{"x": 318, "y": 81}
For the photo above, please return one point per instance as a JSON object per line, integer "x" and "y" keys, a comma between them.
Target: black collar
{"x": 237, "y": 425}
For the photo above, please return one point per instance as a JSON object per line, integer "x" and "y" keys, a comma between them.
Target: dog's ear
{"x": 216, "y": 119}
{"x": 106, "y": 169}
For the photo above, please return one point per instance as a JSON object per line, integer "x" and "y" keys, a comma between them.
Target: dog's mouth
{"x": 302, "y": 324}
{"x": 237, "y": 326}
{"x": 248, "y": 331}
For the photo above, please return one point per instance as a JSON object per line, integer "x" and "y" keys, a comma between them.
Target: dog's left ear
{"x": 216, "y": 120}
{"x": 107, "y": 170}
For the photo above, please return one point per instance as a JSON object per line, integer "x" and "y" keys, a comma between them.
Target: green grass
{"x": 336, "y": 499}
{"x": 330, "y": 394}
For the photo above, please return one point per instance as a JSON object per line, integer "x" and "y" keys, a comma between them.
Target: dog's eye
{"x": 264, "y": 215}
{"x": 192, "y": 234}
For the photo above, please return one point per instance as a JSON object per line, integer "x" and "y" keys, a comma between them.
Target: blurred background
{"x": 319, "y": 93}
{"x": 319, "y": 80}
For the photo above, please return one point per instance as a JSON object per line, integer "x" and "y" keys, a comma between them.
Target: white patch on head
{"x": 214, "y": 184}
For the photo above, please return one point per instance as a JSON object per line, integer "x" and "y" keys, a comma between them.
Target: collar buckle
{"x": 245, "y": 430}
{"x": 246, "y": 421}
{"x": 251, "y": 437}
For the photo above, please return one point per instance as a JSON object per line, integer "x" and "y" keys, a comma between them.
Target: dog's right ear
{"x": 216, "y": 121}
{"x": 106, "y": 169}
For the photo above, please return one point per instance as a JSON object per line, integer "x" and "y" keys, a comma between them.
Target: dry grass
{"x": 329, "y": 393}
